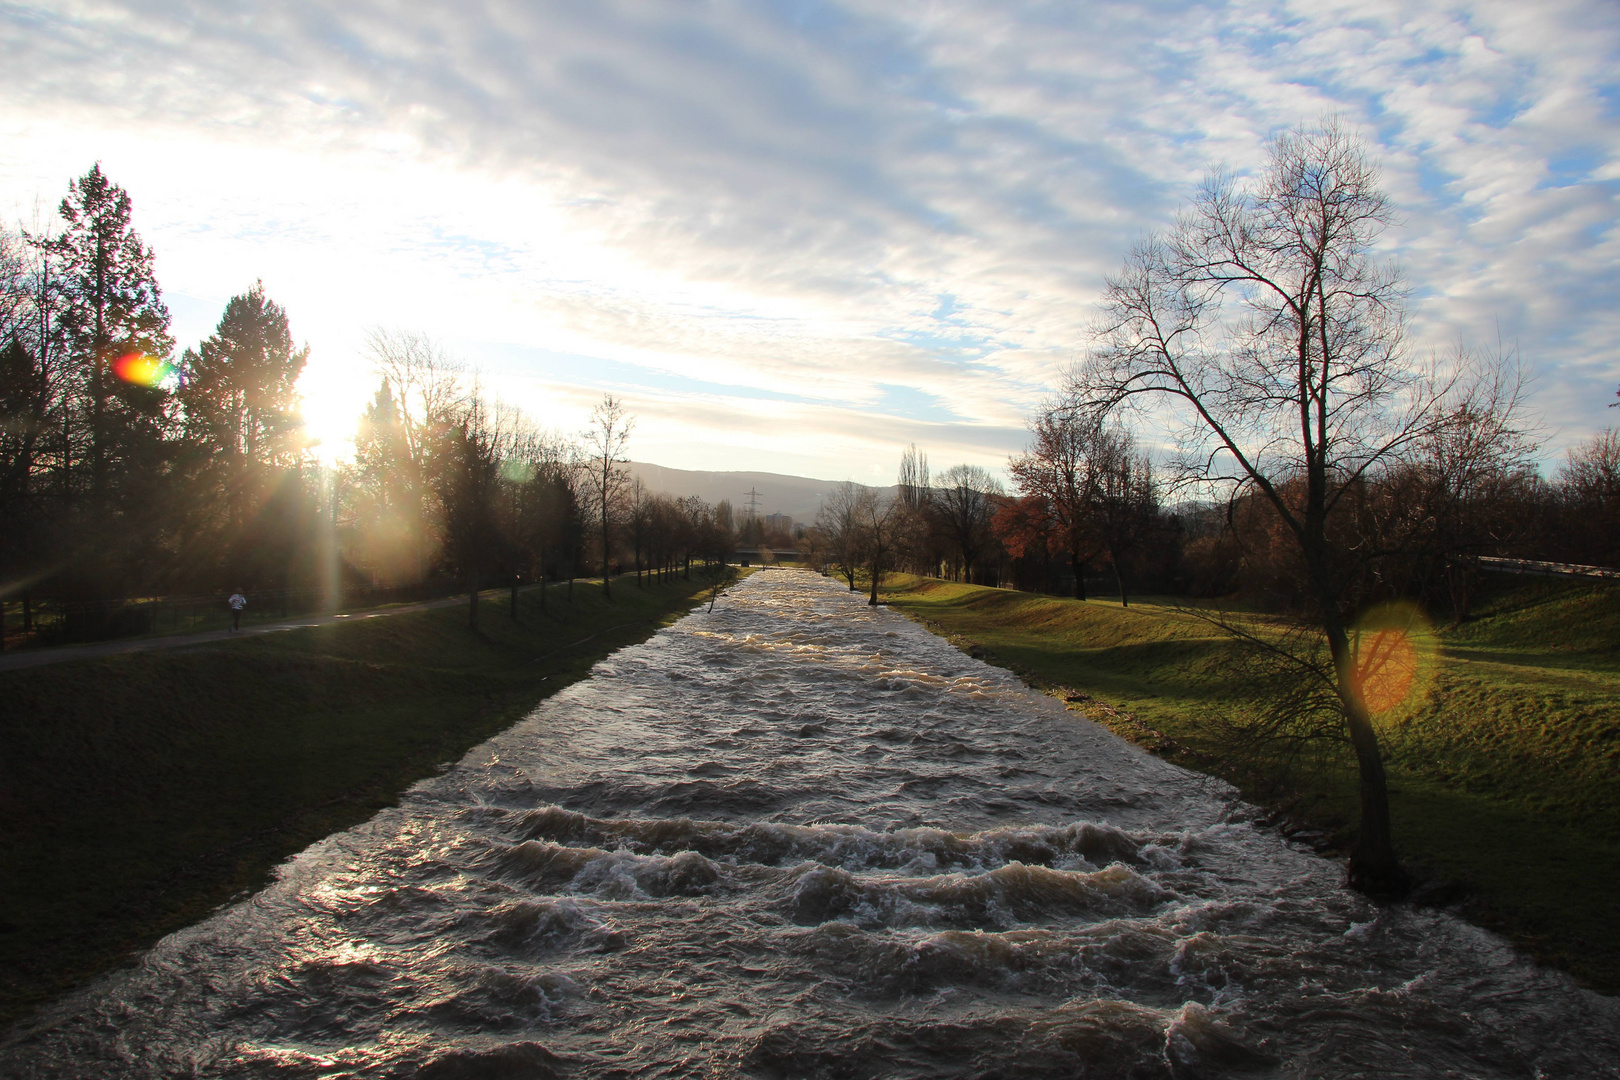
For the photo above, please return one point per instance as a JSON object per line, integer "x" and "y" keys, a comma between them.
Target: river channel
{"x": 802, "y": 837}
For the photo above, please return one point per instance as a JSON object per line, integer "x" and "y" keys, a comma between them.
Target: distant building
{"x": 773, "y": 522}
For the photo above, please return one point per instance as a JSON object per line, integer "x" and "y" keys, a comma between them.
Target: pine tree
{"x": 239, "y": 415}
{"x": 112, "y": 308}
{"x": 237, "y": 389}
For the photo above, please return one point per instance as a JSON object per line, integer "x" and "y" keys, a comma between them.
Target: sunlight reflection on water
{"x": 802, "y": 837}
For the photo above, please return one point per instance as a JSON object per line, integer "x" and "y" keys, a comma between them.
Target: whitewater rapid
{"x": 802, "y": 837}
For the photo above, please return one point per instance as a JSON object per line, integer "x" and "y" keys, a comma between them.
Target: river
{"x": 802, "y": 837}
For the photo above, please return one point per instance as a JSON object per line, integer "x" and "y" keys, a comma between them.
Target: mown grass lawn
{"x": 1504, "y": 767}
{"x": 139, "y": 792}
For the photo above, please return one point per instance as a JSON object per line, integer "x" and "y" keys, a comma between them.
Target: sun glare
{"x": 1395, "y": 648}
{"x": 142, "y": 370}
{"x": 329, "y": 426}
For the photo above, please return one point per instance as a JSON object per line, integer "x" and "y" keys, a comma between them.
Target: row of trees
{"x": 122, "y": 466}
{"x": 1085, "y": 499}
{"x": 447, "y": 482}
{"x": 1088, "y": 503}
{"x": 129, "y": 471}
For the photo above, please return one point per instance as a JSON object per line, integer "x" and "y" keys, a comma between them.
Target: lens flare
{"x": 1395, "y": 646}
{"x": 142, "y": 370}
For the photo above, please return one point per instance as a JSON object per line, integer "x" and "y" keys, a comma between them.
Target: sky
{"x": 797, "y": 236}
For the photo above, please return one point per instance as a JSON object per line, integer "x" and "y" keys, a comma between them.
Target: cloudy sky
{"x": 795, "y": 236}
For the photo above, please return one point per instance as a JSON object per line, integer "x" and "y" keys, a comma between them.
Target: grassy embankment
{"x": 1504, "y": 769}
{"x": 138, "y": 792}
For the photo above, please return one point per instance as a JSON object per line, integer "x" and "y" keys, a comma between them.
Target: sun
{"x": 331, "y": 397}
{"x": 329, "y": 428}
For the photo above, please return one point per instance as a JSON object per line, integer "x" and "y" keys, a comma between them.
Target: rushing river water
{"x": 799, "y": 837}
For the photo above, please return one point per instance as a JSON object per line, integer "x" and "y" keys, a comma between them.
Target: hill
{"x": 797, "y": 496}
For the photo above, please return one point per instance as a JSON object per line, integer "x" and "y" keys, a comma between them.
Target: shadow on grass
{"x": 141, "y": 791}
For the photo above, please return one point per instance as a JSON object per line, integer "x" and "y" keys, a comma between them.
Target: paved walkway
{"x": 27, "y": 658}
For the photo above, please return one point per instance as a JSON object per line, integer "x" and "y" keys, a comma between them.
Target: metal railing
{"x": 1550, "y": 569}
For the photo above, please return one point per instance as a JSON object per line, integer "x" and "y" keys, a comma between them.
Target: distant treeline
{"x": 128, "y": 471}
{"x": 1089, "y": 509}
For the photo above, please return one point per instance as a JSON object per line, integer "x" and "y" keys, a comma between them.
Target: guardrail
{"x": 1548, "y": 569}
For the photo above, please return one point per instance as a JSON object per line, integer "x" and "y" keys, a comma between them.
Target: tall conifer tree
{"x": 111, "y": 308}
{"x": 238, "y": 387}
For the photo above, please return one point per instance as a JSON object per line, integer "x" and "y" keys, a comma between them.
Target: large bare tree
{"x": 880, "y": 518}
{"x": 1058, "y": 469}
{"x": 840, "y": 521}
{"x": 1123, "y": 501}
{"x": 1266, "y": 327}
{"x": 965, "y": 500}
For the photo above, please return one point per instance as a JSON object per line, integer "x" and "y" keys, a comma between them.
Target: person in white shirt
{"x": 237, "y": 602}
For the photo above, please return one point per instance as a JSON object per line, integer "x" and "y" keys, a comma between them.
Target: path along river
{"x": 799, "y": 837}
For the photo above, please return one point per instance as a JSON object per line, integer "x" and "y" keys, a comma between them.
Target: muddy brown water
{"x": 801, "y": 837}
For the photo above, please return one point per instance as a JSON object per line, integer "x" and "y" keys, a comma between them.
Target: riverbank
{"x": 1504, "y": 771}
{"x": 141, "y": 791}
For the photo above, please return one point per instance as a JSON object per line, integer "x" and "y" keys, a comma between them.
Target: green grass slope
{"x": 1504, "y": 769}
{"x": 139, "y": 792}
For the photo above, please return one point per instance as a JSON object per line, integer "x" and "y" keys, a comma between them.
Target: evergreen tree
{"x": 237, "y": 388}
{"x": 111, "y": 311}
{"x": 243, "y": 436}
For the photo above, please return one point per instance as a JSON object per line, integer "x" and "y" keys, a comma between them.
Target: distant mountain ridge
{"x": 799, "y": 497}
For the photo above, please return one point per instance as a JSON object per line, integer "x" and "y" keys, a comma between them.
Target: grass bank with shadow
{"x": 139, "y": 792}
{"x": 1504, "y": 771}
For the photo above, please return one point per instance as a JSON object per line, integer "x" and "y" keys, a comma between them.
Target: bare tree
{"x": 1122, "y": 499}
{"x": 913, "y": 480}
{"x": 422, "y": 397}
{"x": 1450, "y": 499}
{"x": 840, "y": 521}
{"x": 604, "y": 444}
{"x": 1589, "y": 498}
{"x": 1058, "y": 469}
{"x": 964, "y": 500}
{"x": 879, "y": 518}
{"x": 639, "y": 508}
{"x": 914, "y": 539}
{"x": 550, "y": 508}
{"x": 1298, "y": 393}
{"x": 467, "y": 474}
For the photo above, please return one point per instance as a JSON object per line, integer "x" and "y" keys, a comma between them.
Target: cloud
{"x": 775, "y": 198}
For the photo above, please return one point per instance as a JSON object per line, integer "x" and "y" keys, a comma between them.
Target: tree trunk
{"x": 607, "y": 573}
{"x": 1374, "y": 867}
{"x": 1079, "y": 575}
